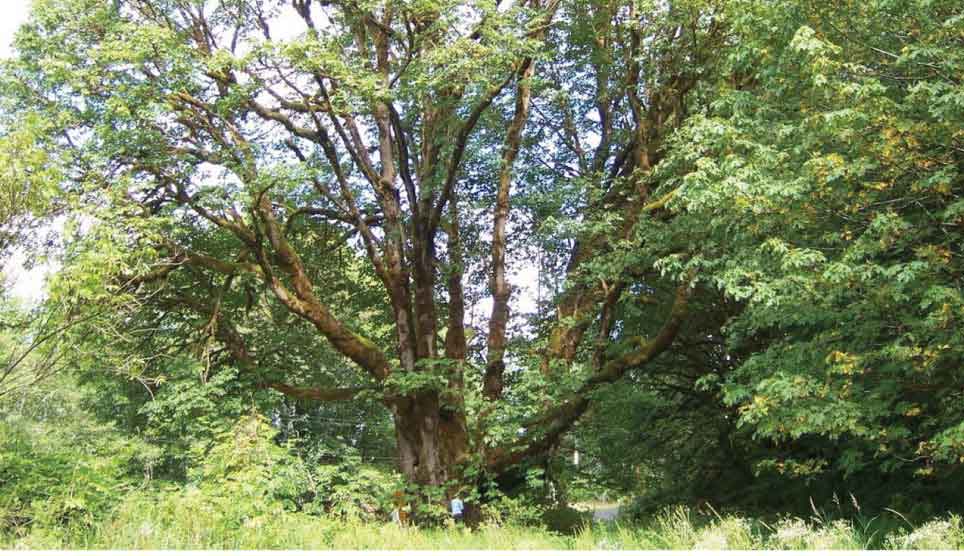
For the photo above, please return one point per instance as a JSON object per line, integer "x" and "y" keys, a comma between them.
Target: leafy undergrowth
{"x": 189, "y": 519}
{"x": 247, "y": 492}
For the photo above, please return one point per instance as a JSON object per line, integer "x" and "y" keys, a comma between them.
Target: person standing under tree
{"x": 458, "y": 508}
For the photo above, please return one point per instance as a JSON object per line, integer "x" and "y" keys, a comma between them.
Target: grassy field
{"x": 144, "y": 526}
{"x": 250, "y": 499}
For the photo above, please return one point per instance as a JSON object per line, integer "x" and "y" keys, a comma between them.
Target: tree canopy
{"x": 734, "y": 227}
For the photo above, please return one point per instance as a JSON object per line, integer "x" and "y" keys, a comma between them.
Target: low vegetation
{"x": 188, "y": 520}
{"x": 59, "y": 490}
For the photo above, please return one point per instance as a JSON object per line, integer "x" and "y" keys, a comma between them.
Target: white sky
{"x": 12, "y": 14}
{"x": 24, "y": 284}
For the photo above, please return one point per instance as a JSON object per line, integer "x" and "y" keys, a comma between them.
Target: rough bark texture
{"x": 412, "y": 194}
{"x": 501, "y": 291}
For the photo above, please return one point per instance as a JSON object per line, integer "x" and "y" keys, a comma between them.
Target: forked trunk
{"x": 416, "y": 433}
{"x": 432, "y": 444}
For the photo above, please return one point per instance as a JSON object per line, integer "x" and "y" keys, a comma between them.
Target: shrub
{"x": 566, "y": 520}
{"x": 49, "y": 479}
{"x": 245, "y": 464}
{"x": 519, "y": 511}
{"x": 353, "y": 490}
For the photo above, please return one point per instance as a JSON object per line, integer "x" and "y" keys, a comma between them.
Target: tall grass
{"x": 189, "y": 520}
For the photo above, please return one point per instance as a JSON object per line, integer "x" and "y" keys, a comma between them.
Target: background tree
{"x": 820, "y": 192}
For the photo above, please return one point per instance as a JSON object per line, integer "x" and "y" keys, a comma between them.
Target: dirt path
{"x": 607, "y": 512}
{"x": 601, "y": 511}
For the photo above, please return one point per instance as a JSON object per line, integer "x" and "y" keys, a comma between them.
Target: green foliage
{"x": 566, "y": 520}
{"x": 43, "y": 486}
{"x": 61, "y": 469}
{"x": 519, "y": 511}
{"x": 189, "y": 521}
{"x": 245, "y": 463}
{"x": 818, "y": 190}
{"x": 68, "y": 482}
{"x": 799, "y": 163}
{"x": 351, "y": 490}
{"x": 29, "y": 176}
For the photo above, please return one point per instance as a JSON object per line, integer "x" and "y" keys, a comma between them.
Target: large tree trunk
{"x": 432, "y": 443}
